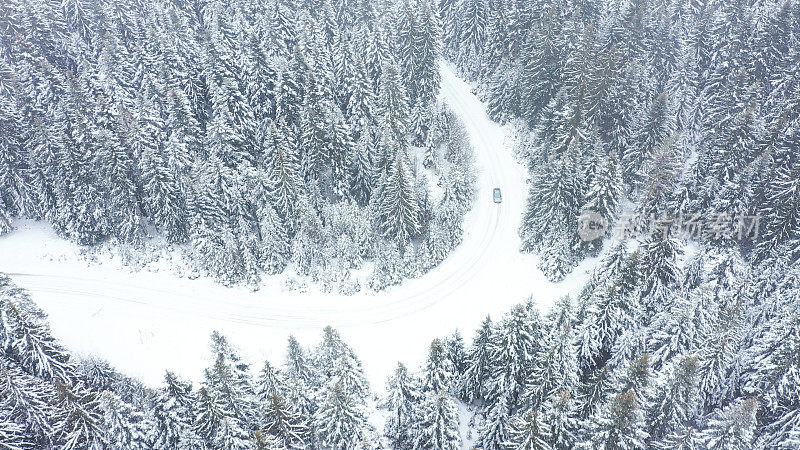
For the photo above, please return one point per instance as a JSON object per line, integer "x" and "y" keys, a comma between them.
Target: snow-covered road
{"x": 146, "y": 322}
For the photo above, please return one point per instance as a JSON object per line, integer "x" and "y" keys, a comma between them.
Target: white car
{"x": 497, "y": 196}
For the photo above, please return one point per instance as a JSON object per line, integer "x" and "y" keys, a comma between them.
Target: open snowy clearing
{"x": 145, "y": 322}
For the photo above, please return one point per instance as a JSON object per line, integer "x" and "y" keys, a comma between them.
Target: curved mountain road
{"x": 147, "y": 322}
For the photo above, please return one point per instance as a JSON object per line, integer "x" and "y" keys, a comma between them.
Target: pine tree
{"x": 284, "y": 186}
{"x": 438, "y": 424}
{"x": 620, "y": 425}
{"x": 675, "y": 402}
{"x": 165, "y": 203}
{"x": 438, "y": 373}
{"x": 229, "y": 382}
{"x": 529, "y": 432}
{"x": 561, "y": 412}
{"x": 541, "y": 57}
{"x": 15, "y": 187}
{"x": 494, "y": 434}
{"x": 270, "y": 382}
{"x": 231, "y": 435}
{"x": 476, "y": 376}
{"x": 78, "y": 419}
{"x": 115, "y": 169}
{"x": 553, "y": 201}
{"x": 393, "y": 103}
{"x": 474, "y": 17}
{"x": 361, "y": 103}
{"x": 402, "y": 400}
{"x": 454, "y": 344}
{"x": 125, "y": 426}
{"x": 407, "y": 28}
{"x": 557, "y": 258}
{"x": 605, "y": 191}
{"x": 339, "y": 154}
{"x": 13, "y": 435}
{"x": 620, "y": 422}
{"x": 732, "y": 427}
{"x": 27, "y": 338}
{"x": 313, "y": 139}
{"x": 556, "y": 363}
{"x": 5, "y": 220}
{"x": 780, "y": 212}
{"x": 513, "y": 349}
{"x": 289, "y": 97}
{"x": 398, "y": 211}
{"x": 340, "y": 422}
{"x": 613, "y": 309}
{"x": 678, "y": 329}
{"x": 209, "y": 414}
{"x": 661, "y": 273}
{"x": 335, "y": 360}
{"x": 274, "y": 246}
{"x": 652, "y": 128}
{"x": 300, "y": 377}
{"x": 171, "y": 414}
{"x": 84, "y": 219}
{"x": 424, "y": 51}
{"x": 287, "y": 427}
{"x": 25, "y": 405}
{"x": 361, "y": 176}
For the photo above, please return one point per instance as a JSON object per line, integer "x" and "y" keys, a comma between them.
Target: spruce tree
{"x": 287, "y": 427}
{"x": 605, "y": 191}
{"x": 340, "y": 422}
{"x": 495, "y": 432}
{"x": 398, "y": 212}
{"x": 556, "y": 367}
{"x": 732, "y": 427}
{"x": 513, "y": 348}
{"x": 78, "y": 421}
{"x": 300, "y": 377}
{"x": 126, "y": 427}
{"x": 675, "y": 401}
{"x": 529, "y": 432}
{"x": 171, "y": 415}
{"x": 25, "y": 405}
{"x": 229, "y": 382}
{"x": 402, "y": 401}
{"x": 393, "y": 103}
{"x": 284, "y": 186}
{"x": 438, "y": 424}
{"x": 477, "y": 374}
{"x": 27, "y": 338}
{"x": 438, "y": 373}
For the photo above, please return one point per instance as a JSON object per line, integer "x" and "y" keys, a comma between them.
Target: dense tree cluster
{"x": 711, "y": 364}
{"x": 667, "y": 115}
{"x": 278, "y": 133}
{"x": 48, "y": 400}
{"x": 643, "y": 108}
{"x": 258, "y": 133}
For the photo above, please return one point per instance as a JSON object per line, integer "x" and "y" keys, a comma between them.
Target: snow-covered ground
{"x": 146, "y": 322}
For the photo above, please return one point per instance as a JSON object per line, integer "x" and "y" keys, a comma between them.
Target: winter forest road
{"x": 146, "y": 322}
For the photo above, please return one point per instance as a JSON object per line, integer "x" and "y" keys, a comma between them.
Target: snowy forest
{"x": 714, "y": 368}
{"x": 654, "y": 112}
{"x": 256, "y": 135}
{"x": 252, "y": 135}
